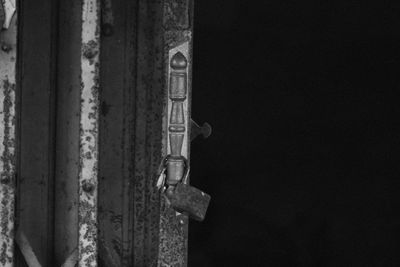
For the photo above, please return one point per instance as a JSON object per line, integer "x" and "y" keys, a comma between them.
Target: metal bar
{"x": 36, "y": 94}
{"x": 67, "y": 133}
{"x": 8, "y": 55}
{"x": 89, "y": 125}
{"x": 176, "y": 134}
{"x": 115, "y": 202}
{"x": 26, "y": 250}
{"x": 148, "y": 131}
{"x": 71, "y": 260}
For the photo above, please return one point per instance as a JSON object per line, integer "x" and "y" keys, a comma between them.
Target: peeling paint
{"x": 7, "y": 143}
{"x": 88, "y": 167}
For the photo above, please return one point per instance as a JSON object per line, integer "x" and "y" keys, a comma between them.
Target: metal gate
{"x": 93, "y": 96}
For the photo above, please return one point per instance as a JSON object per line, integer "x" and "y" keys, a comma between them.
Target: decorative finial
{"x": 178, "y": 61}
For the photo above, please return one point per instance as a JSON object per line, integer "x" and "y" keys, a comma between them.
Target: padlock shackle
{"x": 177, "y": 169}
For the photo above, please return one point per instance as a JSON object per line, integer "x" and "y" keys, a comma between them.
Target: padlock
{"x": 188, "y": 200}
{"x": 181, "y": 197}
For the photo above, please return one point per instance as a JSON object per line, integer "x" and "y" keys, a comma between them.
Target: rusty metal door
{"x": 87, "y": 114}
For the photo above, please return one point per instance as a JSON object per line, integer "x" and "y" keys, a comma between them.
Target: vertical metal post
{"x": 177, "y": 66}
{"x": 89, "y": 125}
{"x": 8, "y": 59}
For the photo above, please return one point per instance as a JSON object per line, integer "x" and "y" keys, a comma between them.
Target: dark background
{"x": 302, "y": 163}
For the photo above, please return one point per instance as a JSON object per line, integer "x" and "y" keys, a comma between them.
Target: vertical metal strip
{"x": 68, "y": 105}
{"x": 148, "y": 76}
{"x": 89, "y": 125}
{"x": 8, "y": 54}
{"x": 178, "y": 44}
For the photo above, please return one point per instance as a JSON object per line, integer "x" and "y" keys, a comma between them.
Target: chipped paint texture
{"x": 7, "y": 143}
{"x": 87, "y": 214}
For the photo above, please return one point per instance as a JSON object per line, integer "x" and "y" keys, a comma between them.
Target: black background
{"x": 302, "y": 163}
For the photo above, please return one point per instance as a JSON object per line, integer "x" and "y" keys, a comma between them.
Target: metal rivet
{"x": 90, "y": 50}
{"x": 88, "y": 187}
{"x": 6, "y": 48}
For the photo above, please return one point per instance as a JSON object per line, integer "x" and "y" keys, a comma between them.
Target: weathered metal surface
{"x": 148, "y": 131}
{"x": 137, "y": 55}
{"x": 177, "y": 14}
{"x": 117, "y": 78}
{"x": 107, "y": 17}
{"x": 67, "y": 134}
{"x": 177, "y": 45}
{"x": 89, "y": 125}
{"x": 8, "y": 58}
{"x": 36, "y": 96}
